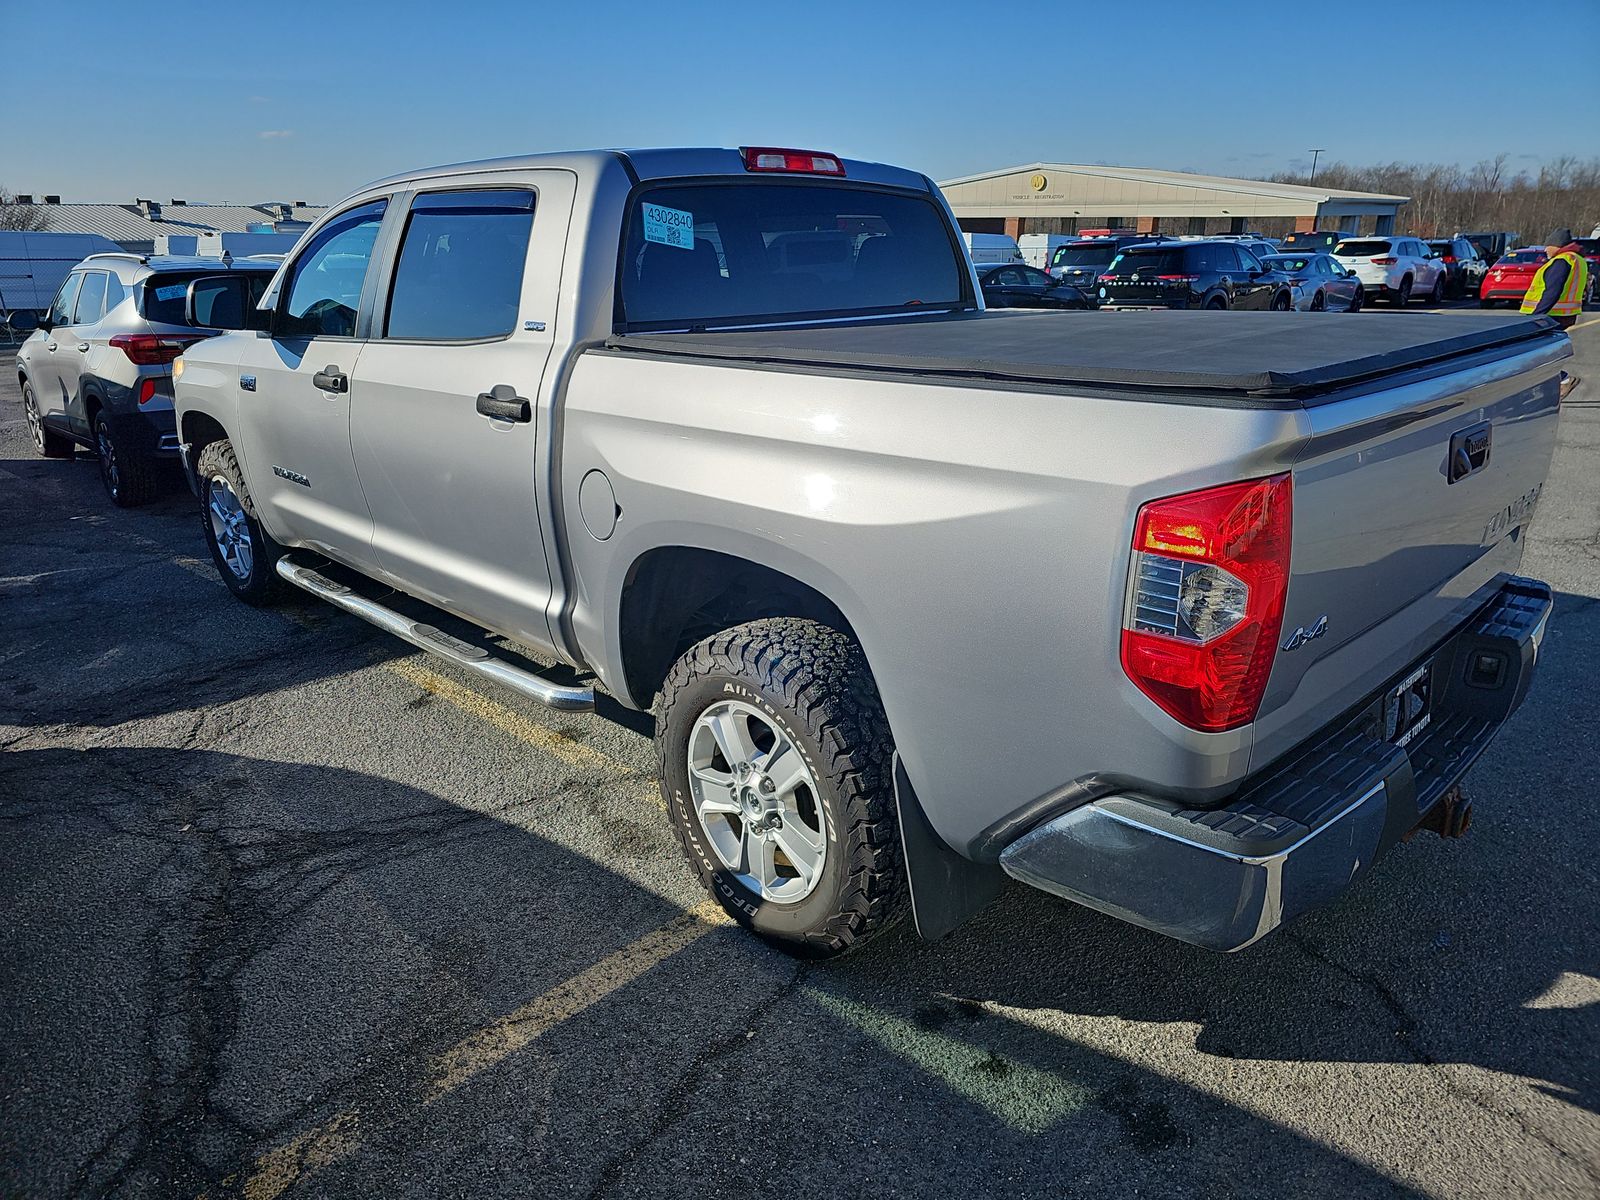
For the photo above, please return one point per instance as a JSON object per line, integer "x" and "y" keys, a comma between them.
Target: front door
{"x": 45, "y": 365}
{"x": 447, "y": 398}
{"x": 75, "y": 344}
{"x": 296, "y": 386}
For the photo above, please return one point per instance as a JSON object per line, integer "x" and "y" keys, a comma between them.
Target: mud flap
{"x": 946, "y": 889}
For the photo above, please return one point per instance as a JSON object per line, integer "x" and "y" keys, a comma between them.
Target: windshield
{"x": 1092, "y": 255}
{"x": 1167, "y": 260}
{"x": 752, "y": 251}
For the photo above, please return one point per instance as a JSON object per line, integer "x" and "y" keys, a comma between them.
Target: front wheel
{"x": 776, "y": 766}
{"x": 245, "y": 554}
{"x": 46, "y": 443}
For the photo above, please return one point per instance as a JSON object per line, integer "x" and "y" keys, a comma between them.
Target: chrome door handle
{"x": 83, "y": 347}
{"x": 50, "y": 346}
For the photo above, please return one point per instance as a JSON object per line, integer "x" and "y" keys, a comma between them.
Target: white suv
{"x": 1394, "y": 268}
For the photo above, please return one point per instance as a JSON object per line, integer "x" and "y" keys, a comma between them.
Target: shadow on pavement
{"x": 208, "y": 957}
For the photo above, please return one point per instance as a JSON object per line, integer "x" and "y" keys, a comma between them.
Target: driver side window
{"x": 322, "y": 294}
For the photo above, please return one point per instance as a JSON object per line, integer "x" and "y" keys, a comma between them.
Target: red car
{"x": 1510, "y": 276}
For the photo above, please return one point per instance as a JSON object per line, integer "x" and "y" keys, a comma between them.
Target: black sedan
{"x": 1017, "y": 285}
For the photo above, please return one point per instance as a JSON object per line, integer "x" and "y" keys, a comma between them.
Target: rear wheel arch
{"x": 673, "y": 597}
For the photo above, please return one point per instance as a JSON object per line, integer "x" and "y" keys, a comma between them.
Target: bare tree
{"x": 1447, "y": 199}
{"x": 29, "y": 218}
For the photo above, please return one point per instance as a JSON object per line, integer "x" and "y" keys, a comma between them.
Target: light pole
{"x": 1314, "y": 154}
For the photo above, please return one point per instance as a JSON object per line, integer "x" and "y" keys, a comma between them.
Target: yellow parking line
{"x": 1584, "y": 324}
{"x": 279, "y": 1169}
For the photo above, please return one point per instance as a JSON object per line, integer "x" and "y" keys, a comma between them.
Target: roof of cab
{"x": 665, "y": 163}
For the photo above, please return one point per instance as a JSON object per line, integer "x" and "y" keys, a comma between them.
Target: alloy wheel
{"x": 106, "y": 451}
{"x": 30, "y": 409}
{"x": 230, "y": 528}
{"x": 757, "y": 801}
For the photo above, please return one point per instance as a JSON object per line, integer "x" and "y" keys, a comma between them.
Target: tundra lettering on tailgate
{"x": 1518, "y": 512}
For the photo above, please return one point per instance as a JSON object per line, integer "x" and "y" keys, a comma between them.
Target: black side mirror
{"x": 23, "y": 321}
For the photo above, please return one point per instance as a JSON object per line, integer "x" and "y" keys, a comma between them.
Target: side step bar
{"x": 425, "y": 637}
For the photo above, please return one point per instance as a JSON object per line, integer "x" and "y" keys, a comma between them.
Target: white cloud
{"x": 276, "y": 133}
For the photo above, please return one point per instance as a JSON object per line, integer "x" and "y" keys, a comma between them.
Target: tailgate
{"x": 1392, "y": 546}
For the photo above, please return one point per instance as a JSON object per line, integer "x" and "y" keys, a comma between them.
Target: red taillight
{"x": 775, "y": 158}
{"x": 1385, "y": 262}
{"x": 1106, "y": 278}
{"x": 152, "y": 349}
{"x": 1449, "y": 258}
{"x": 147, "y": 391}
{"x": 1179, "y": 278}
{"x": 1205, "y": 606}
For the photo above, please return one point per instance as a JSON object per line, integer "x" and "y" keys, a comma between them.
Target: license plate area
{"x": 1408, "y": 707}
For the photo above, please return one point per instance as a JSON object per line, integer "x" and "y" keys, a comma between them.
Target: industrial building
{"x": 139, "y": 225}
{"x": 1069, "y": 198}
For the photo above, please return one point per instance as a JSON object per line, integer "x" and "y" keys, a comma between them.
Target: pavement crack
{"x": 689, "y": 1081}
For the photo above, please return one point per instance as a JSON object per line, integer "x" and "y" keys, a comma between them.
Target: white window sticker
{"x": 669, "y": 226}
{"x": 173, "y": 291}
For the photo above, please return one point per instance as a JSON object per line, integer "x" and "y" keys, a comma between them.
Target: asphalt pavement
{"x": 289, "y": 910}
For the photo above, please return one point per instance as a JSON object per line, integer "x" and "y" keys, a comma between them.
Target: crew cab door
{"x": 296, "y": 384}
{"x": 447, "y": 397}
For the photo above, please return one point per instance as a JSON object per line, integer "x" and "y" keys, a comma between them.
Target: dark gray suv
{"x": 98, "y": 370}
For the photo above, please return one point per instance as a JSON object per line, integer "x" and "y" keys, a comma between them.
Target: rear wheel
{"x": 1439, "y": 291}
{"x": 1217, "y": 302}
{"x": 245, "y": 554}
{"x": 48, "y": 444}
{"x": 1281, "y": 302}
{"x": 1487, "y": 303}
{"x": 1403, "y": 296}
{"x": 1319, "y": 303}
{"x": 128, "y": 474}
{"x": 1357, "y": 300}
{"x": 776, "y": 766}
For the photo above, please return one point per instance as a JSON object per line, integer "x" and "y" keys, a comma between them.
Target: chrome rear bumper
{"x": 1296, "y": 838}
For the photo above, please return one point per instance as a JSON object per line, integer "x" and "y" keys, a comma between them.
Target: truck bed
{"x": 1256, "y": 359}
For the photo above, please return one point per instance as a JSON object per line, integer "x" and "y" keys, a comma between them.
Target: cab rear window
{"x": 748, "y": 252}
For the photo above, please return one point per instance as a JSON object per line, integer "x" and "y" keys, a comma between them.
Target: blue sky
{"x": 250, "y": 100}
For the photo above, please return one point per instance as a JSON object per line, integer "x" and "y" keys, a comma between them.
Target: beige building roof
{"x": 1077, "y": 190}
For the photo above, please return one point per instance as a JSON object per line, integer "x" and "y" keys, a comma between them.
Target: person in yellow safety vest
{"x": 1558, "y": 288}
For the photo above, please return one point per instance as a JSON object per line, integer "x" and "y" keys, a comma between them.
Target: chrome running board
{"x": 435, "y": 641}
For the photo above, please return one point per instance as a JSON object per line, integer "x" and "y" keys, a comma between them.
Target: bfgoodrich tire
{"x": 776, "y": 768}
{"x": 245, "y": 554}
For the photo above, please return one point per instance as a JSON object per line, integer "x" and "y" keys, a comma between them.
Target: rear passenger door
{"x": 449, "y": 398}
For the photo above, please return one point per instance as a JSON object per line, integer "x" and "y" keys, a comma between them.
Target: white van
{"x": 1039, "y": 248}
{"x": 992, "y": 249}
{"x": 32, "y": 266}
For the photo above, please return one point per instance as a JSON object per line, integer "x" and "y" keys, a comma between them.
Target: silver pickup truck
{"x": 1187, "y": 617}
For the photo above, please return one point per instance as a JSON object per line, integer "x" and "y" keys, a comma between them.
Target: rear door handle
{"x": 503, "y": 404}
{"x": 83, "y": 347}
{"x": 50, "y": 346}
{"x": 331, "y": 379}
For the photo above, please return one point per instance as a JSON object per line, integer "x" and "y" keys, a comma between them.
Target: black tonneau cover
{"x": 1261, "y": 355}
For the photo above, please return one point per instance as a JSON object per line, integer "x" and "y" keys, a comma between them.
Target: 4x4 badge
{"x": 1305, "y": 634}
